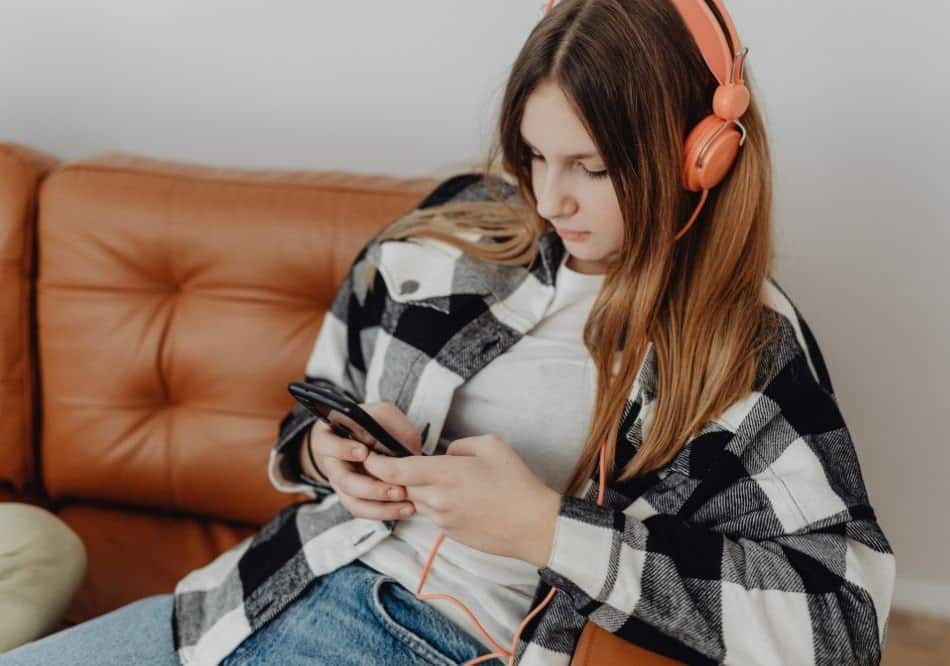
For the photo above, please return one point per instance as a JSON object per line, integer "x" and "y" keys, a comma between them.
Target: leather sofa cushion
{"x": 135, "y": 554}
{"x": 175, "y": 303}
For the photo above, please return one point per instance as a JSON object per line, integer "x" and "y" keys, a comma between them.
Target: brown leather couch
{"x": 151, "y": 316}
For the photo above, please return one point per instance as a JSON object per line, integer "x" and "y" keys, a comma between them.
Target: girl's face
{"x": 573, "y": 189}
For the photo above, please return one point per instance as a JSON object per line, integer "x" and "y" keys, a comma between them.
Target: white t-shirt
{"x": 538, "y": 397}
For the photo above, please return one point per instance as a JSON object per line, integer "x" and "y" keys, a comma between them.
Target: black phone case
{"x": 310, "y": 396}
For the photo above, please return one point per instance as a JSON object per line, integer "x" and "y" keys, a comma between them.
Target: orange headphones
{"x": 710, "y": 151}
{"x": 712, "y": 146}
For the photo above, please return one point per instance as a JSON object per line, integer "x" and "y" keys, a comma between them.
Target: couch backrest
{"x": 21, "y": 171}
{"x": 174, "y": 304}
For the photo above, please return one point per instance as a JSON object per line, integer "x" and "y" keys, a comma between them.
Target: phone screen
{"x": 344, "y": 426}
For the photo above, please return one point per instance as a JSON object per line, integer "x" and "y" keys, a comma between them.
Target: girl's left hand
{"x": 480, "y": 493}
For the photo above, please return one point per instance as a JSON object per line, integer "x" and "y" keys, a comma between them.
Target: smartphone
{"x": 345, "y": 418}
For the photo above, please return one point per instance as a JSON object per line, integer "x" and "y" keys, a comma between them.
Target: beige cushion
{"x": 42, "y": 563}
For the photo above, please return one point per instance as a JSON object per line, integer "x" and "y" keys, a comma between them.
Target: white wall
{"x": 402, "y": 87}
{"x": 856, "y": 97}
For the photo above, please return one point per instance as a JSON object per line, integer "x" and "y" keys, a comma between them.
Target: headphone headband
{"x": 709, "y": 36}
{"x": 712, "y": 42}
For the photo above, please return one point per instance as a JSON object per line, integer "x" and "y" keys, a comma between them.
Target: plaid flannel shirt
{"x": 757, "y": 544}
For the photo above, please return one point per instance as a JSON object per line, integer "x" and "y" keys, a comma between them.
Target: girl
{"x": 624, "y": 422}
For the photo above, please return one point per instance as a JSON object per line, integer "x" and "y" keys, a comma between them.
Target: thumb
{"x": 466, "y": 446}
{"x": 396, "y": 423}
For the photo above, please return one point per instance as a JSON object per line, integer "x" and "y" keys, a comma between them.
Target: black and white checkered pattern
{"x": 756, "y": 545}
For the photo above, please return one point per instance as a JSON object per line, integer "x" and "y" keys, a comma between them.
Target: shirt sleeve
{"x": 338, "y": 358}
{"x": 341, "y": 351}
{"x": 769, "y": 554}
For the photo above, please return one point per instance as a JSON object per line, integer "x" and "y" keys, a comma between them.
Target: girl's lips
{"x": 574, "y": 236}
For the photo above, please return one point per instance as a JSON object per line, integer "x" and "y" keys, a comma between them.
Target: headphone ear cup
{"x": 717, "y": 160}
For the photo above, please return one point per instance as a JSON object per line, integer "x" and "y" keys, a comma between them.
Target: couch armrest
{"x": 21, "y": 172}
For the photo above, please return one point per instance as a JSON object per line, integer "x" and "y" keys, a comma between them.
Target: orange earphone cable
{"x": 500, "y": 651}
{"x": 699, "y": 207}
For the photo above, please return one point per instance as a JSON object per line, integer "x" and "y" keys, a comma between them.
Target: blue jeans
{"x": 353, "y": 615}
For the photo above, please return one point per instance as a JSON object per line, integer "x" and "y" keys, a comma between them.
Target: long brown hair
{"x": 638, "y": 83}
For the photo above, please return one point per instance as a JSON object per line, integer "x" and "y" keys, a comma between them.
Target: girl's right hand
{"x": 362, "y": 494}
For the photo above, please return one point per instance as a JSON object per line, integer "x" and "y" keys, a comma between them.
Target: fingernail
{"x": 406, "y": 511}
{"x": 393, "y": 493}
{"x": 358, "y": 451}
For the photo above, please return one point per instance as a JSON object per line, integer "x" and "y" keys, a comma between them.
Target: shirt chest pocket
{"x": 423, "y": 275}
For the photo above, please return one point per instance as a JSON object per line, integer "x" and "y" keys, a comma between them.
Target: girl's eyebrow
{"x": 576, "y": 156}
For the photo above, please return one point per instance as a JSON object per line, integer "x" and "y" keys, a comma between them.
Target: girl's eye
{"x": 591, "y": 174}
